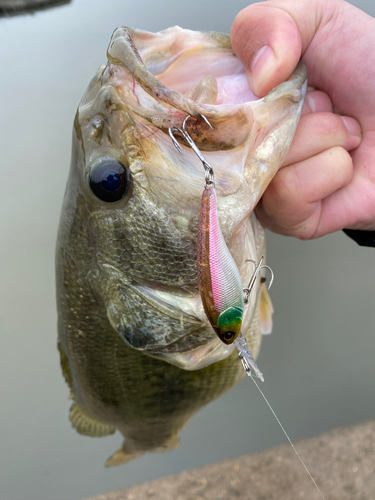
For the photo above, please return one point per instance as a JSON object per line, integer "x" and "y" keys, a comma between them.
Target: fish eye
{"x": 109, "y": 180}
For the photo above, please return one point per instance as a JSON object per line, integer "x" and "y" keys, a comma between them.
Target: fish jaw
{"x": 144, "y": 245}
{"x": 249, "y": 138}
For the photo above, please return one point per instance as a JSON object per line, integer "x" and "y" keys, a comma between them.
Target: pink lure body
{"x": 219, "y": 280}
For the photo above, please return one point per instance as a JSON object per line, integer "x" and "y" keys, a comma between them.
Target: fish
{"x": 136, "y": 347}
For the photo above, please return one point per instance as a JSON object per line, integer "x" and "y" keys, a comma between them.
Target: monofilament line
{"x": 286, "y": 435}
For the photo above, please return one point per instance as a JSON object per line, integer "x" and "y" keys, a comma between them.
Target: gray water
{"x": 319, "y": 361}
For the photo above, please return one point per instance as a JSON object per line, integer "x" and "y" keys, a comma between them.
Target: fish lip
{"x": 231, "y": 122}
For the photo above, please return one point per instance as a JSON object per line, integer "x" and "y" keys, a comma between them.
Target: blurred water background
{"x": 319, "y": 361}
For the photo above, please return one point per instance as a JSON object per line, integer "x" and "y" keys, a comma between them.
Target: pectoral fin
{"x": 86, "y": 425}
{"x": 266, "y": 310}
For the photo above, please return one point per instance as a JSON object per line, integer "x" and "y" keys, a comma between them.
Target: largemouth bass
{"x": 137, "y": 349}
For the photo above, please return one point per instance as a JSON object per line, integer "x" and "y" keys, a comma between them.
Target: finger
{"x": 270, "y": 37}
{"x": 317, "y": 132}
{"x": 356, "y": 201}
{"x": 316, "y": 102}
{"x": 291, "y": 205}
{"x": 268, "y": 43}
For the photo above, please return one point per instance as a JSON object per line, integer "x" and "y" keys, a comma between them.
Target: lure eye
{"x": 228, "y": 336}
{"x": 109, "y": 180}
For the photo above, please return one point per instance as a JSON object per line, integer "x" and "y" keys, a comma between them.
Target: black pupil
{"x": 228, "y": 335}
{"x": 109, "y": 180}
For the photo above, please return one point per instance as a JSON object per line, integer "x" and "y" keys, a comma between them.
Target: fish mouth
{"x": 154, "y": 74}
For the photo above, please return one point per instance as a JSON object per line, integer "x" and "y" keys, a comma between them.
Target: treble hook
{"x": 209, "y": 173}
{"x": 258, "y": 268}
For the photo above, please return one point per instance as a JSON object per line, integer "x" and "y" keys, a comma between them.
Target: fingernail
{"x": 261, "y": 67}
{"x": 311, "y": 103}
{"x": 354, "y": 129}
{"x": 351, "y": 125}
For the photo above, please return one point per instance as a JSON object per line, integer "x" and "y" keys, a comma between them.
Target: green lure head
{"x": 229, "y": 324}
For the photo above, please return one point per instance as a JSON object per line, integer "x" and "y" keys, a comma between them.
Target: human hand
{"x": 321, "y": 188}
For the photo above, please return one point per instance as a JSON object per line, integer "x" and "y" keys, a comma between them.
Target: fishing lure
{"x": 219, "y": 280}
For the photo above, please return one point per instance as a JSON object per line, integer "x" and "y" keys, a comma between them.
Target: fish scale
{"x": 146, "y": 223}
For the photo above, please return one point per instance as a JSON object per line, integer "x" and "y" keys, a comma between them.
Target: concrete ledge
{"x": 342, "y": 462}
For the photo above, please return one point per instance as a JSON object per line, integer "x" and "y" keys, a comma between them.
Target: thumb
{"x": 266, "y": 39}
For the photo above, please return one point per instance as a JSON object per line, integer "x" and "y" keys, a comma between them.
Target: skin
{"x": 327, "y": 180}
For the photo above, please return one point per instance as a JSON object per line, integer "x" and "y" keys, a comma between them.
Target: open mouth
{"x": 228, "y": 83}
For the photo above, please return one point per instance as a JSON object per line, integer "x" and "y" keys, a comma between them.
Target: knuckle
{"x": 248, "y": 31}
{"x": 342, "y": 159}
{"x": 331, "y": 124}
{"x": 306, "y": 230}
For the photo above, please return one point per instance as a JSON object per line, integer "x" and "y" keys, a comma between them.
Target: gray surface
{"x": 318, "y": 363}
{"x": 342, "y": 463}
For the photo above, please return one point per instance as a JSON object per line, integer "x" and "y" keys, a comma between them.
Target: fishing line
{"x": 225, "y": 318}
{"x": 286, "y": 434}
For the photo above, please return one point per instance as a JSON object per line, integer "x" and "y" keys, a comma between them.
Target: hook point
{"x": 206, "y": 120}
{"x": 174, "y": 140}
